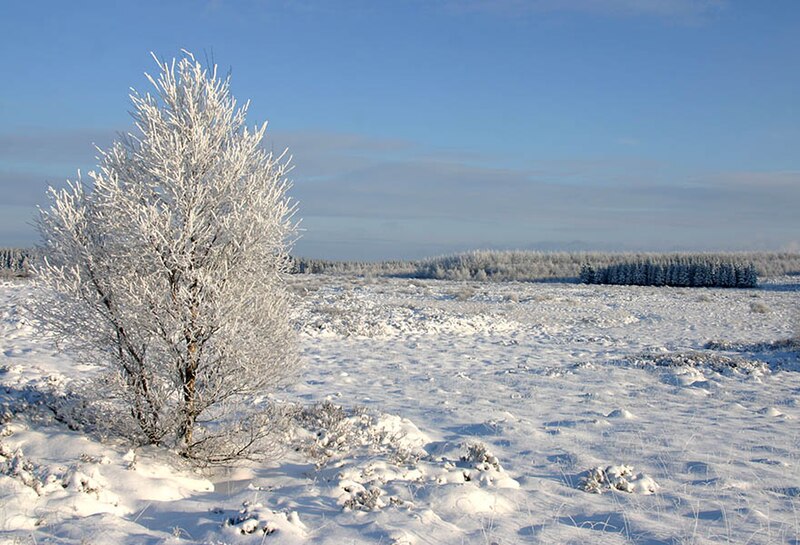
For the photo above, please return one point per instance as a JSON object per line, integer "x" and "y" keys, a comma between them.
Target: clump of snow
{"x": 401, "y": 434}
{"x": 621, "y": 413}
{"x": 43, "y": 479}
{"x": 79, "y": 484}
{"x": 326, "y": 429}
{"x": 89, "y": 481}
{"x": 359, "y": 498}
{"x": 380, "y": 461}
{"x": 617, "y": 477}
{"x": 254, "y": 518}
{"x": 772, "y": 412}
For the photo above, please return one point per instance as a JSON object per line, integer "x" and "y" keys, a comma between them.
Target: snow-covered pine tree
{"x": 168, "y": 271}
{"x": 14, "y": 262}
{"x": 587, "y": 274}
{"x": 746, "y": 276}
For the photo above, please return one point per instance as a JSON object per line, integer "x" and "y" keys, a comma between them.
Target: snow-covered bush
{"x": 479, "y": 456}
{"x": 618, "y": 477}
{"x": 718, "y": 363}
{"x": 791, "y": 344}
{"x": 464, "y": 294}
{"x": 325, "y": 431}
{"x": 368, "y": 499}
{"x": 331, "y": 429}
{"x": 168, "y": 271}
{"x": 254, "y": 518}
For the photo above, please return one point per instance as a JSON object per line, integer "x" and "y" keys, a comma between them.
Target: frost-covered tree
{"x": 14, "y": 262}
{"x": 168, "y": 269}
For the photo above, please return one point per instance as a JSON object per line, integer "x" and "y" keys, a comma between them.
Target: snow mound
{"x": 471, "y": 484}
{"x": 401, "y": 433}
{"x": 773, "y": 412}
{"x": 255, "y": 519}
{"x": 80, "y": 484}
{"x": 61, "y": 472}
{"x": 468, "y": 500}
{"x": 617, "y": 477}
{"x": 622, "y": 414}
{"x": 380, "y": 462}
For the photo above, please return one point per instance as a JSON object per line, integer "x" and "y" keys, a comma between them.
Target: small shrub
{"x": 365, "y": 500}
{"x": 717, "y": 363}
{"x": 620, "y": 478}
{"x": 464, "y": 294}
{"x": 478, "y": 455}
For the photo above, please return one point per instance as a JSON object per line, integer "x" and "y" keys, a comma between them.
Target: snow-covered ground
{"x": 457, "y": 413}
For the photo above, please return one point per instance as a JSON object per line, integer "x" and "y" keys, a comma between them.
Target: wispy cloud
{"x": 679, "y": 10}
{"x": 52, "y": 146}
{"x": 674, "y": 10}
{"x": 363, "y": 197}
{"x": 32, "y": 159}
{"x": 624, "y": 202}
{"x": 22, "y": 188}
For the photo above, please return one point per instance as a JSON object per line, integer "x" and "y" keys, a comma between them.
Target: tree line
{"x": 481, "y": 265}
{"x": 684, "y": 272}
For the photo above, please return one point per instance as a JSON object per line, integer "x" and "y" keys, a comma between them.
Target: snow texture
{"x": 432, "y": 413}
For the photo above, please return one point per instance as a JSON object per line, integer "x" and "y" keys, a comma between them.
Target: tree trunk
{"x": 190, "y": 374}
{"x": 189, "y": 391}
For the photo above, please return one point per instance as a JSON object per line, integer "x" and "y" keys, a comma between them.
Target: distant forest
{"x": 529, "y": 266}
{"x": 719, "y": 268}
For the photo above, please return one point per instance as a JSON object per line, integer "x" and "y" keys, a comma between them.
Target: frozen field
{"x": 485, "y": 408}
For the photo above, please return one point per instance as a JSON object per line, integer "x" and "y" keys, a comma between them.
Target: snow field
{"x": 456, "y": 413}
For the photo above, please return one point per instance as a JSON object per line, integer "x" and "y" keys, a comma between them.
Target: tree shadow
{"x": 780, "y": 287}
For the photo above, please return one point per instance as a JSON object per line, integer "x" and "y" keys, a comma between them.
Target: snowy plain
{"x": 471, "y": 413}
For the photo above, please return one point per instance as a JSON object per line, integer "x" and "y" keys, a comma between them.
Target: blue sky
{"x": 424, "y": 127}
